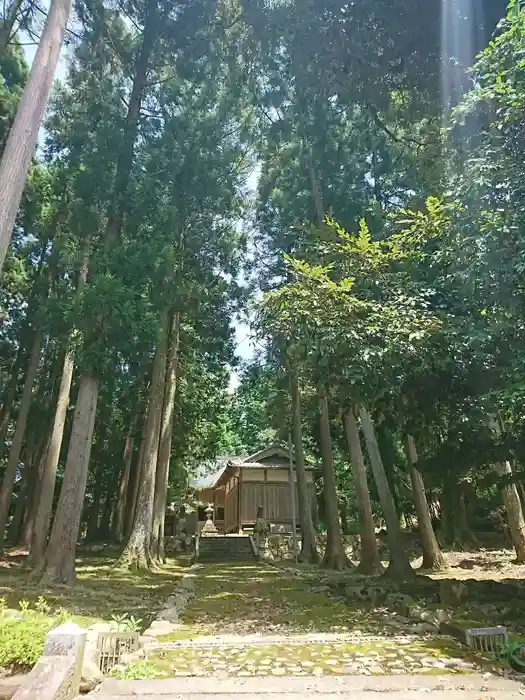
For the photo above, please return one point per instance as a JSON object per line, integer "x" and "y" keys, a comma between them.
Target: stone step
{"x": 402, "y": 687}
{"x": 339, "y": 695}
{"x": 214, "y": 550}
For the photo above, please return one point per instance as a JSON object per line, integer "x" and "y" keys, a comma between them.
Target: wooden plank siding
{"x": 275, "y": 498}
{"x": 231, "y": 509}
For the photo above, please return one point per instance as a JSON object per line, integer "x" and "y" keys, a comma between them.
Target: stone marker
{"x": 56, "y": 676}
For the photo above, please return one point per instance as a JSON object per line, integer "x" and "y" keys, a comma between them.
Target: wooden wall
{"x": 231, "y": 508}
{"x": 275, "y": 498}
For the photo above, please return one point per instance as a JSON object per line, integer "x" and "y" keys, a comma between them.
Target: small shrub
{"x": 42, "y": 606}
{"x": 138, "y": 670}
{"x": 127, "y": 623}
{"x": 23, "y": 605}
{"x": 22, "y": 641}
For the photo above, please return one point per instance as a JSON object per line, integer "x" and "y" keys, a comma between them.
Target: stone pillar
{"x": 57, "y": 673}
{"x": 67, "y": 640}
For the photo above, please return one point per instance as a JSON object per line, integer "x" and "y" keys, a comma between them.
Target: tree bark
{"x": 511, "y": 498}
{"x": 136, "y": 554}
{"x": 104, "y": 528}
{"x": 122, "y": 496}
{"x": 34, "y": 494}
{"x": 23, "y": 134}
{"x": 136, "y": 473}
{"x": 59, "y": 560}
{"x": 433, "y": 559}
{"x": 308, "y": 551}
{"x": 515, "y": 518}
{"x": 15, "y": 526}
{"x": 10, "y": 395}
{"x": 125, "y": 159}
{"x": 8, "y": 481}
{"x": 335, "y": 555}
{"x": 399, "y": 565}
{"x": 94, "y": 506}
{"x": 455, "y": 530}
{"x": 166, "y": 432}
{"x": 6, "y": 28}
{"x": 370, "y": 561}
{"x": 47, "y": 489}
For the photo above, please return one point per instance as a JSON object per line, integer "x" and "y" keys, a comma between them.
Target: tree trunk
{"x": 125, "y": 159}
{"x": 47, "y": 489}
{"x": 136, "y": 473}
{"x": 515, "y": 518}
{"x": 455, "y": 530}
{"x": 8, "y": 481}
{"x": 432, "y": 557}
{"x": 23, "y": 134}
{"x": 94, "y": 507}
{"x": 104, "y": 528}
{"x": 10, "y": 395}
{"x": 34, "y": 494}
{"x": 59, "y": 560}
{"x": 166, "y": 432}
{"x": 511, "y": 498}
{"x": 399, "y": 565}
{"x": 335, "y": 555}
{"x": 7, "y": 26}
{"x": 136, "y": 554}
{"x": 370, "y": 561}
{"x": 308, "y": 551}
{"x": 15, "y": 526}
{"x": 122, "y": 496}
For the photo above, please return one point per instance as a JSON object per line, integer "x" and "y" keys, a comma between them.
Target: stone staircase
{"x": 218, "y": 550}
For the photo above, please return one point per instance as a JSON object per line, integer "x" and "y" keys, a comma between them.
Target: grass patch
{"x": 139, "y": 670}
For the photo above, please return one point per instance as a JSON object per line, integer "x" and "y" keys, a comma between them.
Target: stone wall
{"x": 280, "y": 547}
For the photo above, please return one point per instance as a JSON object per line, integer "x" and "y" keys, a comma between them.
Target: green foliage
{"x": 22, "y": 639}
{"x": 138, "y": 670}
{"x": 127, "y": 623}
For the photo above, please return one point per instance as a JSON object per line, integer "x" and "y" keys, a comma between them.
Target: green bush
{"x": 138, "y": 670}
{"x": 22, "y": 640}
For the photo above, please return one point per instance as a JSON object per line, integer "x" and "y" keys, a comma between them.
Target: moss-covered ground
{"x": 370, "y": 658}
{"x": 235, "y": 602}
{"x": 259, "y": 599}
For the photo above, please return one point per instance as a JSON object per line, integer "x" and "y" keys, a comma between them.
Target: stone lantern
{"x": 209, "y": 529}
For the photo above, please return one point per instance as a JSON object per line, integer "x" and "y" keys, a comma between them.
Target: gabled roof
{"x": 208, "y": 481}
{"x": 270, "y": 451}
{"x": 253, "y": 461}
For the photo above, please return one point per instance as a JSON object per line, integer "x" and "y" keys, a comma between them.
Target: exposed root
{"x": 337, "y": 561}
{"x": 370, "y": 568}
{"x": 309, "y": 555}
{"x": 401, "y": 571}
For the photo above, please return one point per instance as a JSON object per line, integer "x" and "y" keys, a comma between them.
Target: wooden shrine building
{"x": 242, "y": 484}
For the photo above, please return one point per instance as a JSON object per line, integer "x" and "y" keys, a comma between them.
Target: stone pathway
{"x": 333, "y": 659}
{"x": 251, "y": 620}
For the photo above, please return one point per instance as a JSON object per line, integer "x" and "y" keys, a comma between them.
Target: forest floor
{"x": 257, "y": 620}
{"x": 489, "y": 564}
